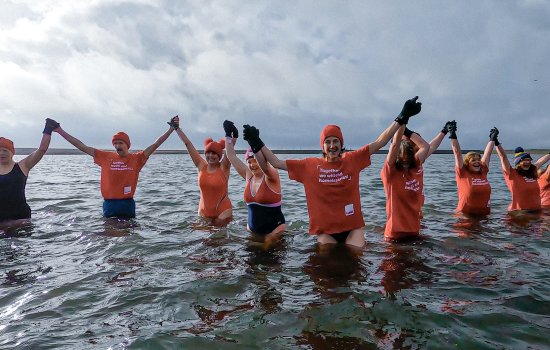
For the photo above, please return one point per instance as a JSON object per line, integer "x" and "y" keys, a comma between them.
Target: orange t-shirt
{"x": 544, "y": 190}
{"x": 474, "y": 191}
{"x": 119, "y": 175}
{"x": 213, "y": 187}
{"x": 404, "y": 199}
{"x": 332, "y": 190}
{"x": 525, "y": 191}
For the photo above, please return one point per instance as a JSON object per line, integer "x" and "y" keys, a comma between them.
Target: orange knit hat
{"x": 331, "y": 130}
{"x": 7, "y": 143}
{"x": 122, "y": 136}
{"x": 212, "y": 146}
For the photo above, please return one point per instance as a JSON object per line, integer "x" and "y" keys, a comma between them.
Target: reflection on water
{"x": 332, "y": 267}
{"x": 402, "y": 269}
{"x": 72, "y": 280}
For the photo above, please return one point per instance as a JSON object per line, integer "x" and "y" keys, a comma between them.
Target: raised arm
{"x": 252, "y": 135}
{"x": 384, "y": 137}
{"x": 193, "y": 153}
{"x": 457, "y": 152}
{"x": 542, "y": 160}
{"x": 231, "y": 135}
{"x": 504, "y": 162}
{"x": 233, "y": 158}
{"x": 32, "y": 159}
{"x": 434, "y": 144}
{"x": 75, "y": 142}
{"x": 423, "y": 147}
{"x": 174, "y": 123}
{"x": 493, "y": 141}
{"x": 273, "y": 159}
{"x": 395, "y": 145}
{"x": 410, "y": 108}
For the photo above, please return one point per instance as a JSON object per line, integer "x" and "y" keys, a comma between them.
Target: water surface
{"x": 72, "y": 280}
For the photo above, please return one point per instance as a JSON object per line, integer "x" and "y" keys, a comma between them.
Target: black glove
{"x": 173, "y": 123}
{"x": 408, "y": 133}
{"x": 493, "y": 136}
{"x": 252, "y": 135}
{"x": 50, "y": 126}
{"x": 449, "y": 126}
{"x": 230, "y": 129}
{"x": 410, "y": 108}
{"x": 452, "y": 135}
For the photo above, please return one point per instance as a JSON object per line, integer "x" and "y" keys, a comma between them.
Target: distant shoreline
{"x": 72, "y": 151}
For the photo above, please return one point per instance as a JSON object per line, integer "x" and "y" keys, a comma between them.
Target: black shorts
{"x": 341, "y": 237}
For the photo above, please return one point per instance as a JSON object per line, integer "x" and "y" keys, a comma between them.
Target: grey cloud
{"x": 288, "y": 67}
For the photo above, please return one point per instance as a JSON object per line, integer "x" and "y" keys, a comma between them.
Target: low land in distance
{"x": 73, "y": 151}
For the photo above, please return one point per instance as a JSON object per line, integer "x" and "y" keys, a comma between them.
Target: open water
{"x": 71, "y": 280}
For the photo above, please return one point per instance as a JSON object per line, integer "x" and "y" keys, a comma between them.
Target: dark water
{"x": 74, "y": 281}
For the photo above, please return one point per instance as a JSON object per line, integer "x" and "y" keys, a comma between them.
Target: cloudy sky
{"x": 288, "y": 67}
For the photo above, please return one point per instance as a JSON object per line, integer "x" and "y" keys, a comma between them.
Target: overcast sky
{"x": 288, "y": 67}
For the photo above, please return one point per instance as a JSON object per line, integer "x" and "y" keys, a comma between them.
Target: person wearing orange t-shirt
{"x": 544, "y": 185}
{"x": 214, "y": 205}
{"x": 403, "y": 180}
{"x": 474, "y": 190}
{"x": 521, "y": 179}
{"x": 119, "y": 170}
{"x": 331, "y": 183}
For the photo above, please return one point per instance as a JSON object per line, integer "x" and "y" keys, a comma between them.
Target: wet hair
{"x": 529, "y": 173}
{"x": 408, "y": 147}
{"x": 469, "y": 157}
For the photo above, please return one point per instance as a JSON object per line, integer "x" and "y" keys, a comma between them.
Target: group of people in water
{"x": 331, "y": 182}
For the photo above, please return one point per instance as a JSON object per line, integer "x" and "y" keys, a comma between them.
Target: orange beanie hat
{"x": 7, "y": 143}
{"x": 331, "y": 130}
{"x": 122, "y": 136}
{"x": 213, "y": 146}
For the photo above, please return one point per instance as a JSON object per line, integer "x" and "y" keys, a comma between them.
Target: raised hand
{"x": 174, "y": 122}
{"x": 50, "y": 126}
{"x": 410, "y": 108}
{"x": 252, "y": 135}
{"x": 230, "y": 129}
{"x": 449, "y": 126}
{"x": 493, "y": 136}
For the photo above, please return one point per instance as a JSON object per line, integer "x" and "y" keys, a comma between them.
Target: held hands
{"x": 410, "y": 108}
{"x": 174, "y": 122}
{"x": 493, "y": 136}
{"x": 449, "y": 126}
{"x": 252, "y": 135}
{"x": 230, "y": 129}
{"x": 50, "y": 126}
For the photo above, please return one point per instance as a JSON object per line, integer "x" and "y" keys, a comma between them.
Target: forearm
{"x": 149, "y": 150}
{"x": 395, "y": 145}
{"x": 262, "y": 163}
{"x": 44, "y": 143}
{"x": 232, "y": 156}
{"x": 487, "y": 152}
{"x": 32, "y": 159}
{"x": 434, "y": 144}
{"x": 505, "y": 163}
{"x": 542, "y": 160}
{"x": 384, "y": 137}
{"x": 457, "y": 152}
{"x": 75, "y": 142}
{"x": 423, "y": 147}
{"x": 273, "y": 159}
{"x": 193, "y": 153}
